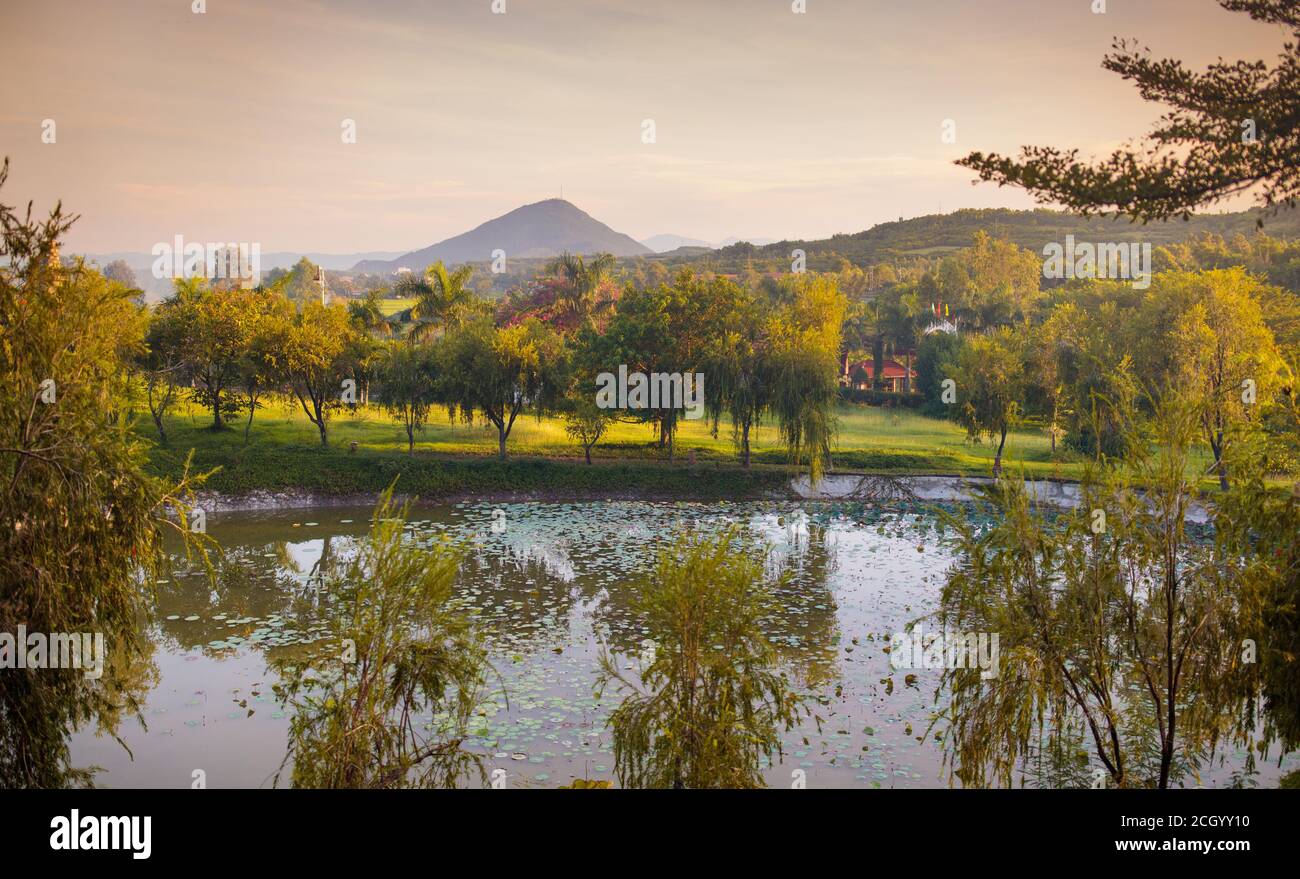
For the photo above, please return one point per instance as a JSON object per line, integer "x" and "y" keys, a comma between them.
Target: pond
{"x": 550, "y": 585}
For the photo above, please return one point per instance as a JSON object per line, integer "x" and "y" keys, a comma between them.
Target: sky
{"x": 228, "y": 125}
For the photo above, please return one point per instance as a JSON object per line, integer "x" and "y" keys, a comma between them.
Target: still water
{"x": 550, "y": 585}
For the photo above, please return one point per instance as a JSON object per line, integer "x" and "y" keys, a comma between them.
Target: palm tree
{"x": 859, "y": 327}
{"x": 584, "y": 282}
{"x": 899, "y": 322}
{"x": 367, "y": 315}
{"x": 441, "y": 297}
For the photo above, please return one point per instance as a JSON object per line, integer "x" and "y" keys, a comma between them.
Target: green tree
{"x": 442, "y": 300}
{"x": 1258, "y": 524}
{"x": 707, "y": 707}
{"x": 806, "y": 345}
{"x": 583, "y": 283}
{"x": 1122, "y": 635}
{"x": 900, "y": 324}
{"x": 162, "y": 362}
{"x": 318, "y": 356}
{"x": 742, "y": 370}
{"x": 989, "y": 374}
{"x": 1217, "y": 343}
{"x": 406, "y": 386}
{"x": 499, "y": 372}
{"x": 367, "y": 315}
{"x": 218, "y": 327}
{"x": 857, "y": 333}
{"x": 261, "y": 366}
{"x": 359, "y": 717}
{"x": 585, "y": 422}
{"x": 300, "y": 284}
{"x": 1044, "y": 385}
{"x": 1095, "y": 335}
{"x": 1231, "y": 129}
{"x": 934, "y": 359}
{"x": 80, "y": 518}
{"x": 672, "y": 328}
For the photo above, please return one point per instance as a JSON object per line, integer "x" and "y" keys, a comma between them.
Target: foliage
{"x": 807, "y": 382}
{"x": 80, "y": 519}
{"x": 217, "y": 330}
{"x": 672, "y": 328}
{"x": 934, "y": 357}
{"x": 319, "y": 352}
{"x": 989, "y": 373}
{"x": 1128, "y": 637}
{"x": 991, "y": 283}
{"x": 742, "y": 369}
{"x": 497, "y": 373}
{"x": 584, "y": 290}
{"x": 707, "y": 708}
{"x": 443, "y": 299}
{"x": 1260, "y": 525}
{"x": 1216, "y": 343}
{"x": 585, "y": 423}
{"x": 1232, "y": 129}
{"x": 359, "y": 721}
{"x": 162, "y": 362}
{"x": 406, "y": 382}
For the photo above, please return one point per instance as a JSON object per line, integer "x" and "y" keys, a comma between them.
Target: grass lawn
{"x": 390, "y": 307}
{"x": 284, "y": 451}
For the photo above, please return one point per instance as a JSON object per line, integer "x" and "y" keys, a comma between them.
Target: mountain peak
{"x": 542, "y": 229}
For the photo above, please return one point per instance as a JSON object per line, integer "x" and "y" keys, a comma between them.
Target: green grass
{"x": 390, "y": 307}
{"x": 284, "y": 451}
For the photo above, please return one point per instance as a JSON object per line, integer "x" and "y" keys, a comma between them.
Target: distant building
{"x": 893, "y": 374}
{"x": 943, "y": 326}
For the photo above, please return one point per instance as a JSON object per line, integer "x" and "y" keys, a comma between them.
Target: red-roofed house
{"x": 893, "y": 375}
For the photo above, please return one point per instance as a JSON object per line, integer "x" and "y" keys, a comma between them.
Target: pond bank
{"x": 303, "y": 478}
{"x": 875, "y": 487}
{"x": 261, "y": 478}
{"x": 702, "y": 484}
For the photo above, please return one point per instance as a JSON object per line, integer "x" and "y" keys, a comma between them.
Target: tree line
{"x": 768, "y": 353}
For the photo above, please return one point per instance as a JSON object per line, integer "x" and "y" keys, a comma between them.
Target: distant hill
{"x": 667, "y": 242}
{"x": 935, "y": 234}
{"x": 156, "y": 288}
{"x": 544, "y": 229}
{"x": 727, "y": 242}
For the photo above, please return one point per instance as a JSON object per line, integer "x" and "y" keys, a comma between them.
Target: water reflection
{"x": 549, "y": 585}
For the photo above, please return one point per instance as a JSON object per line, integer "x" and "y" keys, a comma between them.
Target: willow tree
{"x": 162, "y": 362}
{"x": 406, "y": 383}
{"x": 806, "y": 347}
{"x": 80, "y": 518}
{"x": 707, "y": 707}
{"x": 742, "y": 370}
{"x": 990, "y": 377}
{"x": 406, "y": 650}
{"x": 1127, "y": 645}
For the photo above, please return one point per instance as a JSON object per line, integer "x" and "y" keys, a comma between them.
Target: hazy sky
{"x": 226, "y": 126}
